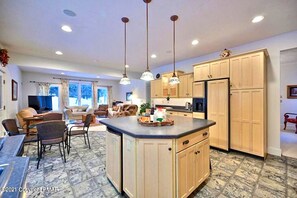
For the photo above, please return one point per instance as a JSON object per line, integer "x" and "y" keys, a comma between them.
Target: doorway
{"x": 288, "y": 102}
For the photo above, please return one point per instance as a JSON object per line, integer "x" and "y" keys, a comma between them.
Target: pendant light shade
{"x": 174, "y": 79}
{"x": 125, "y": 80}
{"x": 147, "y": 74}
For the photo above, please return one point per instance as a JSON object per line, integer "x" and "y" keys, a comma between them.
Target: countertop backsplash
{"x": 172, "y": 101}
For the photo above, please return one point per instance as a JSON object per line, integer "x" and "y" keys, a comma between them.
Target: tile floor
{"x": 289, "y": 143}
{"x": 233, "y": 174}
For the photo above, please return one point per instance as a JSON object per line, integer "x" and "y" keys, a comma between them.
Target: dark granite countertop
{"x": 182, "y": 126}
{"x": 8, "y": 155}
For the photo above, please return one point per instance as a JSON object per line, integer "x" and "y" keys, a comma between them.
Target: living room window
{"x": 102, "y": 95}
{"x": 80, "y": 93}
{"x": 54, "y": 92}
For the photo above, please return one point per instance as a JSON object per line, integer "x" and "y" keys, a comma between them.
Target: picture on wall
{"x": 129, "y": 96}
{"x": 14, "y": 90}
{"x": 292, "y": 91}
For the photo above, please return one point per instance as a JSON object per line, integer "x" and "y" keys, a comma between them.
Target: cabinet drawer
{"x": 174, "y": 113}
{"x": 185, "y": 114}
{"x": 191, "y": 139}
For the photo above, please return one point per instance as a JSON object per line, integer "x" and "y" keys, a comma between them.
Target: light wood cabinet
{"x": 167, "y": 89}
{"x": 156, "y": 88}
{"x": 248, "y": 71}
{"x": 155, "y": 159}
{"x": 198, "y": 115}
{"x": 192, "y": 167}
{"x": 217, "y": 110}
{"x": 212, "y": 70}
{"x": 248, "y": 121}
{"x": 176, "y": 113}
{"x": 113, "y": 160}
{"x": 129, "y": 165}
{"x": 186, "y": 85}
{"x": 198, "y": 90}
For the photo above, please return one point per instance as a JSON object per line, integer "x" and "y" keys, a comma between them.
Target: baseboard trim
{"x": 274, "y": 151}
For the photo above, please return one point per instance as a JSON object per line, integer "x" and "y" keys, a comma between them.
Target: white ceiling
{"x": 32, "y": 27}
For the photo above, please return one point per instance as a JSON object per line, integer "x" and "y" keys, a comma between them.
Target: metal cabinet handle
{"x": 210, "y": 76}
{"x": 186, "y": 142}
{"x": 169, "y": 149}
{"x": 185, "y": 115}
{"x": 204, "y": 134}
{"x": 197, "y": 152}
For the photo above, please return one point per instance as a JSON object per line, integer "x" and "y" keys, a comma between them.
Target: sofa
{"x": 123, "y": 110}
{"x": 76, "y": 112}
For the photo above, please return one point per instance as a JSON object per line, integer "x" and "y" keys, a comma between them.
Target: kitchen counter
{"x": 163, "y": 161}
{"x": 19, "y": 165}
{"x": 182, "y": 126}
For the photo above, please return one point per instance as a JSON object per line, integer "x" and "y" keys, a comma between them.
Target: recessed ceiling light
{"x": 195, "y": 42}
{"x": 153, "y": 56}
{"x": 257, "y": 19}
{"x": 69, "y": 13}
{"x": 127, "y": 66}
{"x": 66, "y": 28}
{"x": 59, "y": 53}
{"x": 97, "y": 76}
{"x": 62, "y": 73}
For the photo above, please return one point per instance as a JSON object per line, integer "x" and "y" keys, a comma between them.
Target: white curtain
{"x": 95, "y": 95}
{"x": 65, "y": 92}
{"x": 43, "y": 89}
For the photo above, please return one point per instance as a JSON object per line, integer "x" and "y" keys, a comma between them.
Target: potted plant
{"x": 143, "y": 107}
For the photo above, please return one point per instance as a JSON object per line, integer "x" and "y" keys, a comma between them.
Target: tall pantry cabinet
{"x": 248, "y": 103}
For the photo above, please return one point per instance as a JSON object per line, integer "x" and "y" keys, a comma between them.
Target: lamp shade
{"x": 174, "y": 80}
{"x": 125, "y": 80}
{"x": 147, "y": 76}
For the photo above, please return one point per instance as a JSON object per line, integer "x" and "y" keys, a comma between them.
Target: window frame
{"x": 80, "y": 83}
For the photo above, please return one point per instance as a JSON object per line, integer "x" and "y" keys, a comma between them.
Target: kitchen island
{"x": 167, "y": 161}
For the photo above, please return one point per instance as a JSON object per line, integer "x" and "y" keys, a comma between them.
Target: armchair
{"x": 101, "y": 111}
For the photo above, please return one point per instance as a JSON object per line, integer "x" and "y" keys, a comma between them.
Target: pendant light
{"x": 174, "y": 79}
{"x": 147, "y": 74}
{"x": 125, "y": 80}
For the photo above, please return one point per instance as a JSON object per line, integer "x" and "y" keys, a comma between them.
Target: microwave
{"x": 199, "y": 105}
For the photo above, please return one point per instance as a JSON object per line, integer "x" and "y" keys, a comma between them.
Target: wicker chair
{"x": 12, "y": 129}
{"x": 81, "y": 132}
{"x": 51, "y": 133}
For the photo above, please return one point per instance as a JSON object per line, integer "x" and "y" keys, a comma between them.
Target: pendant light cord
{"x": 125, "y": 59}
{"x": 147, "y": 65}
{"x": 174, "y": 48}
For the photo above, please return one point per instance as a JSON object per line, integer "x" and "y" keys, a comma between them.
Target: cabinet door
{"x": 219, "y": 69}
{"x": 246, "y": 105}
{"x": 190, "y": 85}
{"x": 129, "y": 166}
{"x": 184, "y": 114}
{"x": 155, "y": 168}
{"x": 183, "y": 86}
{"x": 204, "y": 150}
{"x": 198, "y": 90}
{"x": 156, "y": 86}
{"x": 113, "y": 160}
{"x": 257, "y": 128}
{"x": 235, "y": 107}
{"x": 186, "y": 180}
{"x": 165, "y": 86}
{"x": 248, "y": 71}
{"x": 201, "y": 72}
{"x": 235, "y": 73}
{"x": 217, "y": 110}
{"x": 212, "y": 108}
{"x": 198, "y": 115}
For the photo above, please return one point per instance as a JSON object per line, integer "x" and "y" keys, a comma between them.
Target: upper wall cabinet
{"x": 186, "y": 85}
{"x": 167, "y": 89}
{"x": 156, "y": 88}
{"x": 247, "y": 71}
{"x": 212, "y": 70}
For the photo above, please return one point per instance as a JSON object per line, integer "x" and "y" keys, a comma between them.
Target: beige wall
{"x": 274, "y": 45}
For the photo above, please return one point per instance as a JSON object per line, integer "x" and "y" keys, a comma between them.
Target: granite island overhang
{"x": 164, "y": 161}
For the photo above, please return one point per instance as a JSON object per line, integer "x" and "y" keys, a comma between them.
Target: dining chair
{"x": 80, "y": 132}
{"x": 51, "y": 133}
{"x": 12, "y": 129}
{"x": 52, "y": 116}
